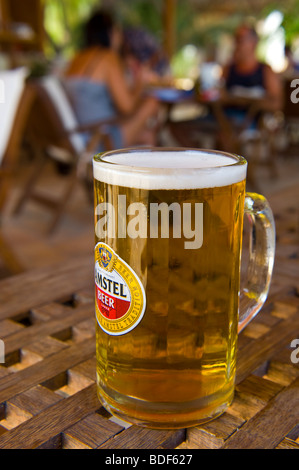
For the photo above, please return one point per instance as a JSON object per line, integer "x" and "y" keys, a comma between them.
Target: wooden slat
{"x": 13, "y": 384}
{"x": 47, "y": 424}
{"x": 29, "y": 335}
{"x": 213, "y": 435}
{"x": 252, "y": 355}
{"x": 90, "y": 432}
{"x": 288, "y": 444}
{"x": 267, "y": 428}
{"x": 142, "y": 438}
{"x": 26, "y": 291}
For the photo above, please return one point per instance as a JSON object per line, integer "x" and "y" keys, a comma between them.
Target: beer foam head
{"x": 169, "y": 169}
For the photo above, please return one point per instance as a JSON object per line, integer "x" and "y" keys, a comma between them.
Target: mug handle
{"x": 261, "y": 257}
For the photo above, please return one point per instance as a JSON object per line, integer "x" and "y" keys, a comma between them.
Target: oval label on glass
{"x": 119, "y": 295}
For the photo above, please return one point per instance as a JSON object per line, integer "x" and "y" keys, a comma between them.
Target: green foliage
{"x": 64, "y": 20}
{"x": 291, "y": 22}
{"x": 63, "y": 23}
{"x": 140, "y": 13}
{"x": 290, "y": 11}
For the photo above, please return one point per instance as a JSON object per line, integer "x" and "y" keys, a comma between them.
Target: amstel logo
{"x": 120, "y": 297}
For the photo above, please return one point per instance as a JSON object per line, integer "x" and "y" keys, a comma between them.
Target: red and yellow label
{"x": 120, "y": 297}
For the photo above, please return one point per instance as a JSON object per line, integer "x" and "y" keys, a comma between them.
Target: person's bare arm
{"x": 124, "y": 98}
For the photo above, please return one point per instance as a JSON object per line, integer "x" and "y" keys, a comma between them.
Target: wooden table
{"x": 47, "y": 386}
{"x": 251, "y": 105}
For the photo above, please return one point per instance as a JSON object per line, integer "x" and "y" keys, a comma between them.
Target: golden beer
{"x": 168, "y": 243}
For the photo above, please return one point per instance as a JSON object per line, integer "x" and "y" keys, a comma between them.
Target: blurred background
{"x": 189, "y": 31}
{"x": 44, "y": 147}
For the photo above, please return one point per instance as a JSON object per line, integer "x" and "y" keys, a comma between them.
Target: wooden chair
{"x": 15, "y": 103}
{"x": 54, "y": 134}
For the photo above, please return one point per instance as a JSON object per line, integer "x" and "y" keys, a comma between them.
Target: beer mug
{"x": 168, "y": 301}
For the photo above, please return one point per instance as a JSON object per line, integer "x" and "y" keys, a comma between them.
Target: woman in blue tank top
{"x": 96, "y": 83}
{"x": 246, "y": 73}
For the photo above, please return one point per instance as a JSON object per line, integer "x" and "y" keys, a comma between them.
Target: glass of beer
{"x": 168, "y": 298}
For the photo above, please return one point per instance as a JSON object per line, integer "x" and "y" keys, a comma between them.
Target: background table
{"x": 47, "y": 386}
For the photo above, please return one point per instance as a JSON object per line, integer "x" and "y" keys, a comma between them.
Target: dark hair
{"x": 98, "y": 29}
{"x": 248, "y": 30}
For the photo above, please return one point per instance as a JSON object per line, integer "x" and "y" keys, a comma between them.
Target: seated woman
{"x": 246, "y": 74}
{"x": 95, "y": 80}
